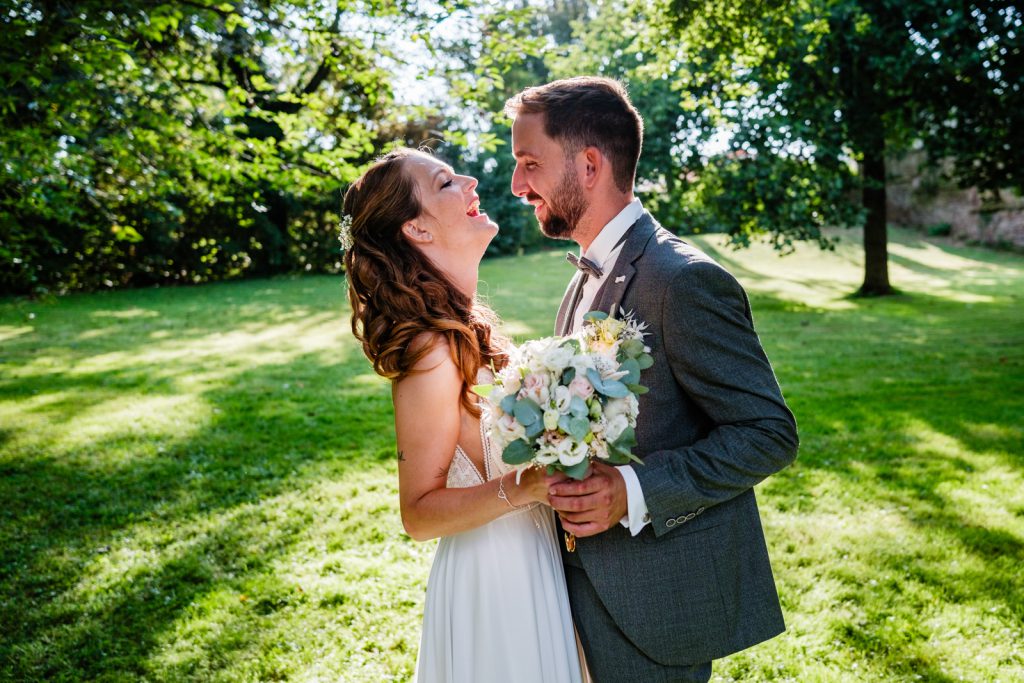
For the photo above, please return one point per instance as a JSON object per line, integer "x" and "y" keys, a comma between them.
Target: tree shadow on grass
{"x": 196, "y": 510}
{"x": 901, "y": 462}
{"x": 200, "y": 514}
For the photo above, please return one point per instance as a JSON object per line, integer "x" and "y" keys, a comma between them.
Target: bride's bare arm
{"x": 427, "y": 424}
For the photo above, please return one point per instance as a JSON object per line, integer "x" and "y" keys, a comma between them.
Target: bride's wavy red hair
{"x": 398, "y": 297}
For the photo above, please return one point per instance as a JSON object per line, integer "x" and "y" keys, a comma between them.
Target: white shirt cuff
{"x": 637, "y": 516}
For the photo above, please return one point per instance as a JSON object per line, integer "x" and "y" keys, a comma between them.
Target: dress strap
{"x": 485, "y": 441}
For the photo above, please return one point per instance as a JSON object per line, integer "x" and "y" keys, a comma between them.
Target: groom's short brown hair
{"x": 588, "y": 111}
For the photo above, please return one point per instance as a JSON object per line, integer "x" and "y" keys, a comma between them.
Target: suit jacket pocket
{"x": 675, "y": 615}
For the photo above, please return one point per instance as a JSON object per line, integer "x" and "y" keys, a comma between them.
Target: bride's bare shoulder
{"x": 433, "y": 350}
{"x": 426, "y": 399}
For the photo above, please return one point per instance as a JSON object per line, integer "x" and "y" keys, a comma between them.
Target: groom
{"x": 670, "y": 569}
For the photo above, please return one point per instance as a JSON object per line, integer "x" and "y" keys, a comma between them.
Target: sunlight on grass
{"x": 11, "y": 331}
{"x": 127, "y": 313}
{"x": 813, "y": 278}
{"x": 199, "y": 483}
{"x": 151, "y": 417}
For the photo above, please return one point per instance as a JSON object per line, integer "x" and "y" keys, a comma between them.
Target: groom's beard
{"x": 566, "y": 207}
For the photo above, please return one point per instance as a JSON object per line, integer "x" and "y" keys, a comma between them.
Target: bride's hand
{"x": 532, "y": 487}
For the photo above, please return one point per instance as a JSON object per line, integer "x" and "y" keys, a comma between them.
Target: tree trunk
{"x": 876, "y": 250}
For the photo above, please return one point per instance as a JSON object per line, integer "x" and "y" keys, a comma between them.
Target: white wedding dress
{"x": 497, "y": 610}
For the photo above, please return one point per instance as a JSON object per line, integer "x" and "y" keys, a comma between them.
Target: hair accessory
{"x": 345, "y": 232}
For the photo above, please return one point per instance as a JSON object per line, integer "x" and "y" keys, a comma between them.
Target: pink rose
{"x": 581, "y": 386}
{"x": 535, "y": 386}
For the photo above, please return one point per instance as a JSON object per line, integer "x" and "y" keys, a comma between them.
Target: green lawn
{"x": 198, "y": 484}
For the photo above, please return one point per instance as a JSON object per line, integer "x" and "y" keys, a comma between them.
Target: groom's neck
{"x": 601, "y": 211}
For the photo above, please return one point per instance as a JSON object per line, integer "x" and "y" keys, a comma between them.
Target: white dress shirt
{"x": 604, "y": 252}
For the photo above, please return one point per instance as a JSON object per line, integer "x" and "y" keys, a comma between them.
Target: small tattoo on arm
{"x": 442, "y": 472}
{"x": 401, "y": 456}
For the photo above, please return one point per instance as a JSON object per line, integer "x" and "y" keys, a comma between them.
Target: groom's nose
{"x": 519, "y": 185}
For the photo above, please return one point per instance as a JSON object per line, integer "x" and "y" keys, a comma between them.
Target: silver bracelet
{"x": 501, "y": 491}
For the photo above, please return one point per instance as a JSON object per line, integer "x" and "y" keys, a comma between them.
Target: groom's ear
{"x": 414, "y": 233}
{"x": 594, "y": 164}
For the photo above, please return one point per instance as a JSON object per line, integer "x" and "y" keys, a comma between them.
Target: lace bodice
{"x": 463, "y": 472}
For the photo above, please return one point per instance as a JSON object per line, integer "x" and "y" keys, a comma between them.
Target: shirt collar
{"x": 606, "y": 241}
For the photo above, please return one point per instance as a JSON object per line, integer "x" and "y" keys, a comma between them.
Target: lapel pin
{"x": 621, "y": 278}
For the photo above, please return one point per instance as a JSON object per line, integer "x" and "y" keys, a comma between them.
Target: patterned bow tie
{"x": 584, "y": 264}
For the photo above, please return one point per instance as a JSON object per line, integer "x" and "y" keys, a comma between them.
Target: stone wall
{"x": 922, "y": 199}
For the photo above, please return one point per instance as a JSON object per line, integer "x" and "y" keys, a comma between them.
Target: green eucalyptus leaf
{"x": 577, "y": 471}
{"x": 627, "y": 439}
{"x": 578, "y": 407}
{"x": 563, "y": 423}
{"x": 579, "y": 427}
{"x": 527, "y": 412}
{"x": 614, "y": 389}
{"x": 508, "y": 404}
{"x": 574, "y": 343}
{"x": 631, "y": 367}
{"x": 632, "y": 347}
{"x": 517, "y": 453}
{"x": 595, "y": 378}
{"x": 534, "y": 428}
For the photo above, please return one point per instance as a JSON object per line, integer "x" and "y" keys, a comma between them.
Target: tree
{"x": 180, "y": 142}
{"x": 836, "y": 81}
{"x": 735, "y": 192}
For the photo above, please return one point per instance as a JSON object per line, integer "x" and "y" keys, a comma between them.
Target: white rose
{"x": 634, "y": 409}
{"x": 494, "y": 400}
{"x": 551, "y": 419}
{"x": 563, "y": 398}
{"x": 574, "y": 456}
{"x": 582, "y": 363}
{"x": 559, "y": 359}
{"x": 535, "y": 387}
{"x": 615, "y": 427}
{"x": 546, "y": 458}
{"x": 615, "y": 407}
{"x": 510, "y": 429}
{"x": 548, "y": 451}
{"x": 509, "y": 379}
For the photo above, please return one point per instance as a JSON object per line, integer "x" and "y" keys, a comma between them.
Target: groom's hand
{"x": 592, "y": 505}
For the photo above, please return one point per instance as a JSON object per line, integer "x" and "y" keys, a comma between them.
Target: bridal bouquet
{"x": 564, "y": 401}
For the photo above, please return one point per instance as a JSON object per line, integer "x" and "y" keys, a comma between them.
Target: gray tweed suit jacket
{"x": 695, "y": 584}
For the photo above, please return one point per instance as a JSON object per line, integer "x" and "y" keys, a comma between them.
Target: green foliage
{"x": 183, "y": 142}
{"x": 619, "y": 41}
{"x": 199, "y": 484}
{"x": 832, "y": 82}
{"x": 745, "y": 197}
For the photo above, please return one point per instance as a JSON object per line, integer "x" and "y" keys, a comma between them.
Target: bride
{"x": 496, "y": 605}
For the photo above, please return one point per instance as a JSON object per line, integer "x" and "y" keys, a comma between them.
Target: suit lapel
{"x": 617, "y": 282}
{"x": 571, "y": 292}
